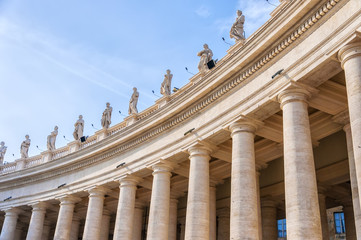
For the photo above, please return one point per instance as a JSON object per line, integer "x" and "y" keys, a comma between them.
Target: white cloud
{"x": 203, "y": 11}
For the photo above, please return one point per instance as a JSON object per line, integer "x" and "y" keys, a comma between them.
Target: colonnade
{"x": 248, "y": 215}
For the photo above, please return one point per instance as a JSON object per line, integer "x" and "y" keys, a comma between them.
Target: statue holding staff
{"x": 107, "y": 115}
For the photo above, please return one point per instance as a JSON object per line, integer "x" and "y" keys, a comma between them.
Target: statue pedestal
{"x": 163, "y": 100}
{"x": 20, "y": 164}
{"x": 101, "y": 134}
{"x": 46, "y": 156}
{"x": 236, "y": 46}
{"x": 74, "y": 146}
{"x": 131, "y": 119}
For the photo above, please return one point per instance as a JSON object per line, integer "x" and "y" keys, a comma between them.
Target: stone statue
{"x": 206, "y": 55}
{"x": 237, "y": 31}
{"x": 166, "y": 84}
{"x": 24, "y": 148}
{"x": 79, "y": 128}
{"x": 133, "y": 102}
{"x": 52, "y": 138}
{"x": 107, "y": 116}
{"x": 2, "y": 152}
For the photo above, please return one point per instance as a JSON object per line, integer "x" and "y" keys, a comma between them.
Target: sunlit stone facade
{"x": 263, "y": 147}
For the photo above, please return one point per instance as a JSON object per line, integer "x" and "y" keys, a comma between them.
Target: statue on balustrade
{"x": 24, "y": 148}
{"x": 237, "y": 31}
{"x": 107, "y": 115}
{"x": 165, "y": 88}
{"x": 206, "y": 55}
{"x": 52, "y": 138}
{"x": 2, "y": 152}
{"x": 79, "y": 128}
{"x": 133, "y": 102}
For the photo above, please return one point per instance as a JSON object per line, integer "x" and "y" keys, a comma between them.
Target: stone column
{"x": 138, "y": 221}
{"x": 19, "y": 232}
{"x": 323, "y": 214}
{"x": 9, "y": 225}
{"x": 350, "y": 57}
{"x": 46, "y": 230}
{"x": 223, "y": 224}
{"x": 197, "y": 218}
{"x": 258, "y": 169}
{"x": 125, "y": 212}
{"x": 269, "y": 220}
{"x": 75, "y": 227}
{"x": 36, "y": 225}
{"x": 349, "y": 220}
{"x": 94, "y": 213}
{"x": 158, "y": 222}
{"x": 353, "y": 179}
{"x": 302, "y": 208}
{"x": 243, "y": 183}
{"x": 105, "y": 225}
{"x": 65, "y": 217}
{"x": 182, "y": 222}
{"x": 212, "y": 212}
{"x": 173, "y": 211}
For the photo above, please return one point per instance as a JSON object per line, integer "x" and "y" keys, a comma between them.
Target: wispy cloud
{"x": 203, "y": 11}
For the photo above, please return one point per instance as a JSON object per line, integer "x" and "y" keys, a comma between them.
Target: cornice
{"x": 193, "y": 109}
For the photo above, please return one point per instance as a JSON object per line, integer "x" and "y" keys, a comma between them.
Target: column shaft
{"x": 350, "y": 57}
{"x": 302, "y": 208}
{"x": 125, "y": 212}
{"x": 75, "y": 227}
{"x": 94, "y": 213}
{"x": 65, "y": 217}
{"x": 223, "y": 224}
{"x": 46, "y": 232}
{"x": 37, "y": 221}
{"x": 158, "y": 224}
{"x": 10, "y": 222}
{"x": 197, "y": 218}
{"x": 105, "y": 225}
{"x": 269, "y": 220}
{"x": 353, "y": 179}
{"x": 212, "y": 213}
{"x": 138, "y": 222}
{"x": 173, "y": 211}
{"x": 323, "y": 215}
{"x": 349, "y": 222}
{"x": 243, "y": 183}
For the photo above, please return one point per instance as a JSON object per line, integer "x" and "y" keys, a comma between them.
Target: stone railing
{"x": 148, "y": 111}
{"x": 116, "y": 128}
{"x": 33, "y": 161}
{"x": 8, "y": 168}
{"x": 89, "y": 141}
{"x": 61, "y": 152}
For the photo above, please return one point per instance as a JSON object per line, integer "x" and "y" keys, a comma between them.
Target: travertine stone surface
{"x": 24, "y": 147}
{"x": 172, "y": 232}
{"x": 323, "y": 215}
{"x": 237, "y": 31}
{"x": 107, "y": 116}
{"x": 212, "y": 212}
{"x": 243, "y": 182}
{"x": 182, "y": 223}
{"x": 353, "y": 179}
{"x": 350, "y": 57}
{"x": 36, "y": 225}
{"x": 105, "y": 224}
{"x": 197, "y": 218}
{"x": 206, "y": 55}
{"x": 302, "y": 208}
{"x": 94, "y": 213}
{"x": 46, "y": 231}
{"x": 165, "y": 88}
{"x": 158, "y": 223}
{"x": 75, "y": 228}
{"x": 138, "y": 222}
{"x": 124, "y": 225}
{"x": 349, "y": 221}
{"x": 133, "y": 102}
{"x": 78, "y": 128}
{"x": 223, "y": 224}
{"x": 269, "y": 220}
{"x": 51, "y": 139}
{"x": 65, "y": 217}
{"x": 9, "y": 225}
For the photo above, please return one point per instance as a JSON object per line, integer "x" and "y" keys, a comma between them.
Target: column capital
{"x": 242, "y": 126}
{"x": 69, "y": 200}
{"x": 129, "y": 180}
{"x": 342, "y": 118}
{"x": 293, "y": 95}
{"x": 39, "y": 206}
{"x": 268, "y": 203}
{"x": 199, "y": 150}
{"x": 348, "y": 52}
{"x": 13, "y": 211}
{"x": 97, "y": 191}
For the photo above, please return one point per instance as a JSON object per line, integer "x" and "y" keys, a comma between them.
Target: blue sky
{"x": 59, "y": 59}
